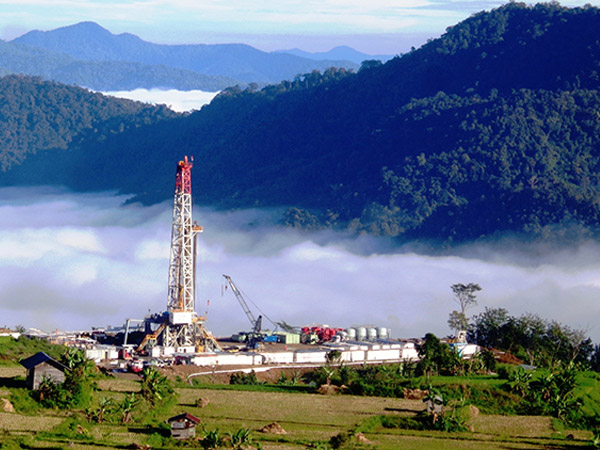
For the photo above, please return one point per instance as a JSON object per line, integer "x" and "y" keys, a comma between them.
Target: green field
{"x": 310, "y": 421}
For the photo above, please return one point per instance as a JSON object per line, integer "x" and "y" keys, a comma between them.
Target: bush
{"x": 156, "y": 388}
{"x": 504, "y": 371}
{"x": 244, "y": 378}
{"x": 73, "y": 427}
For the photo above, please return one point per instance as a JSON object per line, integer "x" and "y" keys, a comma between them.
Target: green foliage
{"x": 464, "y": 295}
{"x": 489, "y": 399}
{"x": 518, "y": 381}
{"x": 424, "y": 158}
{"x": 458, "y": 321}
{"x": 453, "y": 419}
{"x": 13, "y": 442}
{"x": 127, "y": 407}
{"x": 239, "y": 439}
{"x": 23, "y": 401}
{"x": 14, "y": 350}
{"x": 156, "y": 389}
{"x": 596, "y": 439}
{"x": 539, "y": 342}
{"x": 437, "y": 358}
{"x": 333, "y": 357}
{"x": 39, "y": 115}
{"x": 73, "y": 428}
{"x": 212, "y": 440}
{"x": 385, "y": 380}
{"x": 51, "y": 395}
{"x": 244, "y": 378}
{"x": 79, "y": 378}
{"x": 102, "y": 413}
{"x": 76, "y": 390}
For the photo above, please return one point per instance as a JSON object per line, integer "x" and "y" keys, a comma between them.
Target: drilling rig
{"x": 181, "y": 328}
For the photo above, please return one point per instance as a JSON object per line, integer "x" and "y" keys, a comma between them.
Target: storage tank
{"x": 383, "y": 333}
{"x": 361, "y": 333}
{"x": 351, "y": 334}
{"x": 371, "y": 334}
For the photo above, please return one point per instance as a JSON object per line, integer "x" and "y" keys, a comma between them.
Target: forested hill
{"x": 37, "y": 115}
{"x": 493, "y": 127}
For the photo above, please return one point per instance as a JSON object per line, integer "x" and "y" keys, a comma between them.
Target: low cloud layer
{"x": 74, "y": 261}
{"x": 179, "y": 101}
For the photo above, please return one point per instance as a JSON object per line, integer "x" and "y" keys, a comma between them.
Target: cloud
{"x": 72, "y": 261}
{"x": 179, "y": 101}
{"x": 375, "y": 27}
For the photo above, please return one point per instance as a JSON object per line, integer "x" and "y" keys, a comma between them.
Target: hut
{"x": 40, "y": 366}
{"x": 183, "y": 426}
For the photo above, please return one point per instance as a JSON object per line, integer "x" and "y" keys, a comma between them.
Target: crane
{"x": 256, "y": 335}
{"x": 256, "y": 323}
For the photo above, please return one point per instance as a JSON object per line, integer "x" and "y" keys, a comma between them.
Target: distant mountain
{"x": 88, "y": 41}
{"x": 102, "y": 75}
{"x": 340, "y": 53}
{"x": 492, "y": 128}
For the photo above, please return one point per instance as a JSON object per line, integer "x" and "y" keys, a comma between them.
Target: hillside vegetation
{"x": 102, "y": 75}
{"x": 36, "y": 115}
{"x": 494, "y": 127}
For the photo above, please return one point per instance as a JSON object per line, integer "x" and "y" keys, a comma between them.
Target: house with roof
{"x": 183, "y": 426}
{"x": 40, "y": 366}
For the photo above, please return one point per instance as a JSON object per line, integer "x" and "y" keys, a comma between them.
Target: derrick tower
{"x": 184, "y": 329}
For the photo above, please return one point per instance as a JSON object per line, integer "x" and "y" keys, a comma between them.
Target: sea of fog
{"x": 180, "y": 101}
{"x": 73, "y": 261}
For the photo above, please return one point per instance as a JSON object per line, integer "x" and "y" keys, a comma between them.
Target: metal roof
{"x": 184, "y": 416}
{"x": 39, "y": 358}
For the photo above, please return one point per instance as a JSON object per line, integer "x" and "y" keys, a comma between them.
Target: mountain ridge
{"x": 492, "y": 128}
{"x": 88, "y": 41}
{"x": 340, "y": 52}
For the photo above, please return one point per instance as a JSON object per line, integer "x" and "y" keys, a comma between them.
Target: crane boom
{"x": 256, "y": 323}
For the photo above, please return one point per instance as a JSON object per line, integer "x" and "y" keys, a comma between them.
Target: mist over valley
{"x": 73, "y": 261}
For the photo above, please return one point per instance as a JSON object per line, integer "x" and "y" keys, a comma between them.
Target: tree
{"x": 488, "y": 328}
{"x": 464, "y": 295}
{"x": 156, "y": 388}
{"x": 78, "y": 382}
{"x": 436, "y": 357}
{"x": 457, "y": 321}
{"x": 127, "y": 406}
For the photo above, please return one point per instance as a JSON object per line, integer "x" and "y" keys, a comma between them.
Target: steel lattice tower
{"x": 184, "y": 328}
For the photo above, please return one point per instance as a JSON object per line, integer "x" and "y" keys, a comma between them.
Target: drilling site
{"x": 179, "y": 336}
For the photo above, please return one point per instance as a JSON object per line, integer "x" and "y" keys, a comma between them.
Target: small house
{"x": 183, "y": 426}
{"x": 40, "y": 366}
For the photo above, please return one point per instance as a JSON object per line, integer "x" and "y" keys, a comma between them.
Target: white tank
{"x": 371, "y": 334}
{"x": 383, "y": 333}
{"x": 351, "y": 333}
{"x": 361, "y": 333}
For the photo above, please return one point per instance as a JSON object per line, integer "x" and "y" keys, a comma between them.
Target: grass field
{"x": 308, "y": 419}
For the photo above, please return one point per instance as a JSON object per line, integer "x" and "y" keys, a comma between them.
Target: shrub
{"x": 156, "y": 388}
{"x": 244, "y": 378}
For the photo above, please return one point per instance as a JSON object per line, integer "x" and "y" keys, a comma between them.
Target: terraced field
{"x": 308, "y": 420}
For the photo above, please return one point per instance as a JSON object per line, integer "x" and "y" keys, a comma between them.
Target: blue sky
{"x": 373, "y": 26}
